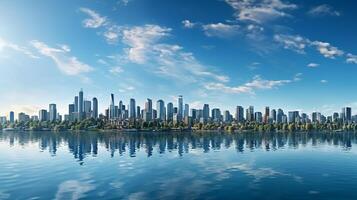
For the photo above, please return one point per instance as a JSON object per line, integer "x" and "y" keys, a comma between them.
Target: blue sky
{"x": 283, "y": 54}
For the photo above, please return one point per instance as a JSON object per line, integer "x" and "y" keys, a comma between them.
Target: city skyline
{"x": 179, "y": 112}
{"x": 281, "y": 58}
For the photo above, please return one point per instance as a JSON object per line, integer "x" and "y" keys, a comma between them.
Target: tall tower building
{"x": 180, "y": 108}
{"x": 132, "y": 109}
{"x": 266, "y": 114}
{"x": 95, "y": 108}
{"x": 170, "y": 112}
{"x": 186, "y": 111}
{"x": 53, "y": 112}
{"x": 76, "y": 101}
{"x": 148, "y": 110}
{"x": 80, "y": 105}
{"x": 239, "y": 114}
{"x": 205, "y": 112}
{"x": 43, "y": 115}
{"x": 160, "y": 108}
{"x": 12, "y": 117}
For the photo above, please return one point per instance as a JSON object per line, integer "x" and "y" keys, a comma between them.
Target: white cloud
{"x": 351, "y": 58}
{"x": 69, "y": 65}
{"x": 323, "y": 10}
{"x": 125, "y": 2}
{"x": 188, "y": 24}
{"x": 260, "y": 11}
{"x": 299, "y": 44}
{"x": 257, "y": 83}
{"x": 6, "y": 44}
{"x": 327, "y": 50}
{"x": 95, "y": 20}
{"x": 323, "y": 81}
{"x": 116, "y": 70}
{"x": 140, "y": 40}
{"x": 313, "y": 65}
{"x": 220, "y": 30}
{"x": 73, "y": 189}
{"x": 292, "y": 42}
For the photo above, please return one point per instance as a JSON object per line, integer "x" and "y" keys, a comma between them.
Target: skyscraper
{"x": 266, "y": 114}
{"x": 76, "y": 104}
{"x": 239, "y": 114}
{"x": 112, "y": 109}
{"x": 148, "y": 110}
{"x": 250, "y": 114}
{"x": 138, "y": 115}
{"x": 279, "y": 116}
{"x": 95, "y": 108}
{"x": 132, "y": 109}
{"x": 273, "y": 115}
{"x": 347, "y": 114}
{"x": 226, "y": 116}
{"x": 53, "y": 112}
{"x": 87, "y": 109}
{"x": 80, "y": 105}
{"x": 43, "y": 115}
{"x": 170, "y": 112}
{"x": 186, "y": 111}
{"x": 205, "y": 112}
{"x": 180, "y": 107}
{"x": 216, "y": 114}
{"x": 12, "y": 117}
{"x": 160, "y": 108}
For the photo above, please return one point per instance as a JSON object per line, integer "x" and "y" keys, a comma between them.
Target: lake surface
{"x": 90, "y": 165}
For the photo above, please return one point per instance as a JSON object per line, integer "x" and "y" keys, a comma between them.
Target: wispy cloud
{"x": 351, "y": 58}
{"x": 116, "y": 70}
{"x": 141, "y": 39}
{"x": 323, "y": 81}
{"x": 68, "y": 64}
{"x": 220, "y": 30}
{"x": 188, "y": 24}
{"x": 299, "y": 44}
{"x": 94, "y": 20}
{"x": 257, "y": 83}
{"x": 6, "y": 44}
{"x": 313, "y": 65}
{"x": 323, "y": 10}
{"x": 260, "y": 11}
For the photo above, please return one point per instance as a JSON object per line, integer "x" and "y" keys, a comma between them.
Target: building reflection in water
{"x": 86, "y": 143}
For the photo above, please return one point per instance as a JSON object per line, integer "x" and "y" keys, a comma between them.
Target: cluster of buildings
{"x": 82, "y": 109}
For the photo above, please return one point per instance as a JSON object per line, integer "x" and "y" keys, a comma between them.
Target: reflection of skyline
{"x": 84, "y": 144}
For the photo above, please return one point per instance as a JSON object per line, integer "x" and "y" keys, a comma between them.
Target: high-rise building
{"x": 205, "y": 112}
{"x": 170, "y": 112}
{"x": 160, "y": 108}
{"x": 76, "y": 101}
{"x": 273, "y": 115}
{"x": 12, "y": 117}
{"x": 194, "y": 114}
{"x": 95, "y": 108}
{"x": 279, "y": 116}
{"x": 180, "y": 108}
{"x": 250, "y": 114}
{"x": 112, "y": 108}
{"x": 347, "y": 114}
{"x": 71, "y": 112}
{"x": 87, "y": 108}
{"x": 53, "y": 112}
{"x": 148, "y": 110}
{"x": 293, "y": 116}
{"x": 216, "y": 114}
{"x": 239, "y": 114}
{"x": 80, "y": 105}
{"x": 43, "y": 115}
{"x": 226, "y": 116}
{"x": 23, "y": 117}
{"x": 132, "y": 108}
{"x": 138, "y": 115}
{"x": 335, "y": 117}
{"x": 186, "y": 111}
{"x": 258, "y": 116}
{"x": 266, "y": 114}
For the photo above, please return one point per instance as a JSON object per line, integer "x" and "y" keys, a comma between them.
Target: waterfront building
{"x": 53, "y": 112}
{"x": 80, "y": 105}
{"x": 12, "y": 117}
{"x": 95, "y": 108}
{"x": 258, "y": 117}
{"x": 266, "y": 114}
{"x": 138, "y": 114}
{"x": 216, "y": 114}
{"x": 205, "y": 114}
{"x": 226, "y": 116}
{"x": 160, "y": 108}
{"x": 132, "y": 108}
{"x": 279, "y": 116}
{"x": 180, "y": 108}
{"x": 186, "y": 111}
{"x": 3, "y": 120}
{"x": 43, "y": 115}
{"x": 170, "y": 112}
{"x": 273, "y": 115}
{"x": 239, "y": 116}
{"x": 87, "y": 109}
{"x": 23, "y": 117}
{"x": 250, "y": 113}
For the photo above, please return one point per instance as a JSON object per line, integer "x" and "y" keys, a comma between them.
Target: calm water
{"x": 89, "y": 165}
